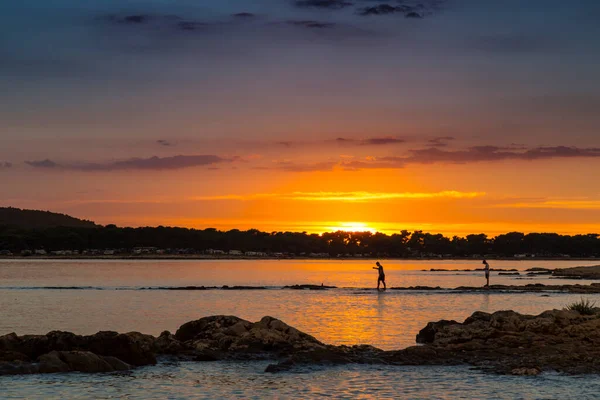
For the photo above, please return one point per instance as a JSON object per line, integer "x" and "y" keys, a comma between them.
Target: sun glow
{"x": 351, "y": 227}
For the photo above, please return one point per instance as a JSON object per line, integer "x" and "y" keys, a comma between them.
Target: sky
{"x": 450, "y": 116}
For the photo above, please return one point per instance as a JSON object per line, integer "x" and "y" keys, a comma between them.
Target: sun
{"x": 351, "y": 227}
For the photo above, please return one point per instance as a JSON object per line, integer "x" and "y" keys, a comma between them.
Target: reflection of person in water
{"x": 381, "y": 278}
{"x": 487, "y": 272}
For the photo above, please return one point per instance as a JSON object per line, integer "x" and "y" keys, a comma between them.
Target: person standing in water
{"x": 487, "y": 272}
{"x": 381, "y": 278}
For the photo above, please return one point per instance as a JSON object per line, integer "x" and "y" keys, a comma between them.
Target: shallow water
{"x": 109, "y": 298}
{"x": 247, "y": 381}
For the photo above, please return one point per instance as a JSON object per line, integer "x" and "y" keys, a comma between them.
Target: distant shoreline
{"x": 199, "y": 257}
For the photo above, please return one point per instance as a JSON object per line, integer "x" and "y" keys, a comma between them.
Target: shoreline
{"x": 503, "y": 342}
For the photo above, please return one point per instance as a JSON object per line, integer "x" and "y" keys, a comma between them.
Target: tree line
{"x": 402, "y": 244}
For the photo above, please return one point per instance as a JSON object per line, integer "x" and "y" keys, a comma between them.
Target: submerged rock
{"x": 310, "y": 287}
{"x": 592, "y": 272}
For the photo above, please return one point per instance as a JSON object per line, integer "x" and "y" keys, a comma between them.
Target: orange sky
{"x": 467, "y": 120}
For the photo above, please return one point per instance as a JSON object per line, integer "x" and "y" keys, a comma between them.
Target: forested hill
{"x": 25, "y": 230}
{"x": 33, "y": 219}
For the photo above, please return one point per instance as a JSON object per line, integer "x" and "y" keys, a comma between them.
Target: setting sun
{"x": 351, "y": 227}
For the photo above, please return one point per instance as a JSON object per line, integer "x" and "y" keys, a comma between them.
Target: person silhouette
{"x": 486, "y": 269}
{"x": 381, "y": 277}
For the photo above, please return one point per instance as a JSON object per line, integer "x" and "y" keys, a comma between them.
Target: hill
{"x": 33, "y": 219}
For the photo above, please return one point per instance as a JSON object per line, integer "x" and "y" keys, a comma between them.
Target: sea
{"x": 86, "y": 296}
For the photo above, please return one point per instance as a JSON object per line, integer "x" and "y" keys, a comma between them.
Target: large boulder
{"x": 227, "y": 336}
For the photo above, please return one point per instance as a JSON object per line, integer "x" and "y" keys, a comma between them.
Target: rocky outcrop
{"x": 64, "y": 351}
{"x": 226, "y": 337}
{"x": 64, "y": 361}
{"x": 533, "y": 288}
{"x": 310, "y": 287}
{"x": 592, "y": 272}
{"x": 509, "y": 342}
{"x": 503, "y": 342}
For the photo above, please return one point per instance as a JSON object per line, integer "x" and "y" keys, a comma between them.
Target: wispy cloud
{"x": 359, "y": 196}
{"x": 494, "y": 153}
{"x": 5, "y": 165}
{"x": 47, "y": 164}
{"x": 554, "y": 204}
{"x": 440, "y": 141}
{"x": 373, "y": 196}
{"x": 152, "y": 163}
{"x": 373, "y": 141}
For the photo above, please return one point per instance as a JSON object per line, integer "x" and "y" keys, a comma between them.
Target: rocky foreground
{"x": 503, "y": 342}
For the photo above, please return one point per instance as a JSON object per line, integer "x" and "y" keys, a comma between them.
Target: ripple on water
{"x": 246, "y": 380}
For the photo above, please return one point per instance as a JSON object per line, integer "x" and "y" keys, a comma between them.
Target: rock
{"x": 524, "y": 371}
{"x": 503, "y": 342}
{"x": 592, "y": 272}
{"x": 243, "y": 287}
{"x": 223, "y": 337}
{"x": 18, "y": 368}
{"x": 167, "y": 343}
{"x": 310, "y": 287}
{"x": 204, "y": 328}
{"x": 427, "y": 334}
{"x": 133, "y": 348}
{"x": 84, "y": 361}
{"x": 9, "y": 355}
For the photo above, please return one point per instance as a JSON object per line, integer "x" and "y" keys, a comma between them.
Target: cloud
{"x": 554, "y": 204}
{"x": 440, "y": 141}
{"x": 311, "y": 24}
{"x": 328, "y": 4}
{"x": 433, "y": 155}
{"x": 161, "y": 22}
{"x": 383, "y": 9}
{"x": 493, "y": 153}
{"x": 344, "y": 196}
{"x": 410, "y": 9}
{"x": 152, "y": 163}
{"x": 373, "y": 196}
{"x": 5, "y": 165}
{"x": 374, "y": 141}
{"x": 244, "y": 15}
{"x": 42, "y": 164}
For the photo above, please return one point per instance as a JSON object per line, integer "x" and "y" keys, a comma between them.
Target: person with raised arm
{"x": 381, "y": 278}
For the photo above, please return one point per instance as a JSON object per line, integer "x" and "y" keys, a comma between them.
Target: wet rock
{"x": 427, "y": 334}
{"x": 592, "y": 272}
{"x": 524, "y": 371}
{"x": 222, "y": 337}
{"x": 12, "y": 356}
{"x": 243, "y": 287}
{"x": 310, "y": 287}
{"x": 134, "y": 348}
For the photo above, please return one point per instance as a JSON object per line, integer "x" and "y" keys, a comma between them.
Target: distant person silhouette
{"x": 381, "y": 278}
{"x": 487, "y": 273}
